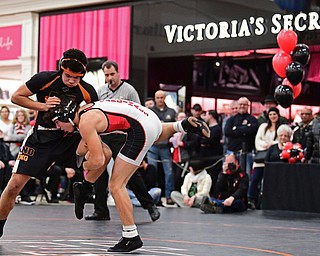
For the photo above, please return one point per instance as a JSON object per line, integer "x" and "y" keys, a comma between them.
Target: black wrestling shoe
{"x": 154, "y": 213}
{"x": 97, "y": 216}
{"x": 80, "y": 197}
{"x": 194, "y": 125}
{"x": 127, "y": 244}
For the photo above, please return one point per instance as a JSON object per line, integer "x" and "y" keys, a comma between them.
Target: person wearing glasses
{"x": 301, "y": 131}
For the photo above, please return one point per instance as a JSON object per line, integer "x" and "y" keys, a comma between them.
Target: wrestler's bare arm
{"x": 82, "y": 148}
{"x": 89, "y": 127}
{"x": 22, "y": 98}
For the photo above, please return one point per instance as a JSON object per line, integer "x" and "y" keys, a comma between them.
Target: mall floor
{"x": 45, "y": 229}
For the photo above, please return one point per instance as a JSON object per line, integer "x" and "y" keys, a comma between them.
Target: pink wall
{"x": 103, "y": 33}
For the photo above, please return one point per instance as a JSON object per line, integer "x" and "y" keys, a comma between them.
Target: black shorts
{"x": 41, "y": 148}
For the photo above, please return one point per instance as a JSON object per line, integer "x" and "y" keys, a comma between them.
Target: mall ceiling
{"x": 19, "y": 6}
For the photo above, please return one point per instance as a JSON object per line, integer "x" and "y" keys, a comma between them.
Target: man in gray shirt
{"x": 115, "y": 88}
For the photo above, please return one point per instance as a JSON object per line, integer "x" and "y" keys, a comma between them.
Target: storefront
{"x": 218, "y": 50}
{"x": 18, "y": 52}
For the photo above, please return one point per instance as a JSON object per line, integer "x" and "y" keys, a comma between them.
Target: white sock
{"x": 129, "y": 231}
{"x": 177, "y": 126}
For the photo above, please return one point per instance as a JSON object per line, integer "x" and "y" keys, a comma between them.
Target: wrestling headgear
{"x": 73, "y": 62}
{"x": 66, "y": 110}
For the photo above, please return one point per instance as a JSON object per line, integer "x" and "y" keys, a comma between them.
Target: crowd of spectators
{"x": 176, "y": 176}
{"x": 241, "y": 135}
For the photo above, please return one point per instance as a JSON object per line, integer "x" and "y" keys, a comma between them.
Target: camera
{"x": 232, "y": 167}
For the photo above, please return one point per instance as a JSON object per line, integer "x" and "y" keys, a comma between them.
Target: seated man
{"x": 143, "y": 129}
{"x": 230, "y": 193}
{"x": 196, "y": 185}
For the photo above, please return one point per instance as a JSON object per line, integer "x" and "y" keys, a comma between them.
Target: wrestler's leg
{"x": 121, "y": 173}
{"x": 189, "y": 124}
{"x": 8, "y": 196}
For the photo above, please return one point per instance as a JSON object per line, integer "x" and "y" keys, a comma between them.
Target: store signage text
{"x": 6, "y": 43}
{"x": 253, "y": 26}
{"x": 10, "y": 42}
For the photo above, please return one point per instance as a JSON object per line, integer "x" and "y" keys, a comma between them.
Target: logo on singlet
{"x": 25, "y": 152}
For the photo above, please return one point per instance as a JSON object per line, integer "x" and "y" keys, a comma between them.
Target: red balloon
{"x": 297, "y": 145}
{"x": 280, "y": 61}
{"x": 292, "y": 160}
{"x": 288, "y": 145}
{"x": 301, "y": 155}
{"x": 287, "y": 83}
{"x": 285, "y": 154}
{"x": 295, "y": 88}
{"x": 287, "y": 40}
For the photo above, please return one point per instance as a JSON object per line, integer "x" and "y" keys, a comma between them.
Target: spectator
{"x": 196, "y": 185}
{"x": 4, "y": 121}
{"x": 233, "y": 112}
{"x": 148, "y": 174}
{"x": 52, "y": 181}
{"x": 196, "y": 111}
{"x": 313, "y": 142}
{"x": 241, "y": 130}
{"x": 211, "y": 148}
{"x": 284, "y": 133}
{"x": 149, "y": 102}
{"x": 161, "y": 151}
{"x": 301, "y": 131}
{"x": 230, "y": 193}
{"x": 18, "y": 131}
{"x": 266, "y": 137}
{"x": 270, "y": 102}
{"x": 184, "y": 147}
{"x": 115, "y": 88}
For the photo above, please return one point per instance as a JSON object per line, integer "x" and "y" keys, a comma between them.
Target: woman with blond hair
{"x": 18, "y": 130}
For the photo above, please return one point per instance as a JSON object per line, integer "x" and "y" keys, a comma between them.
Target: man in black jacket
{"x": 241, "y": 130}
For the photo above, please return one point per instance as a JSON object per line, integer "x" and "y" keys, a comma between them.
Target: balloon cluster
{"x": 289, "y": 64}
{"x": 292, "y": 152}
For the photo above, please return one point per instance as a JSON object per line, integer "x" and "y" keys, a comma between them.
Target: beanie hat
{"x": 273, "y": 109}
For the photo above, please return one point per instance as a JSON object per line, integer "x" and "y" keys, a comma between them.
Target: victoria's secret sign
{"x": 10, "y": 42}
{"x": 252, "y": 26}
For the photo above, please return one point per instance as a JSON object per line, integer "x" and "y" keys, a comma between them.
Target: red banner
{"x": 10, "y": 42}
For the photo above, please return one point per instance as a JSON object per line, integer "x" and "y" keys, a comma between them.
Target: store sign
{"x": 252, "y": 26}
{"x": 10, "y": 42}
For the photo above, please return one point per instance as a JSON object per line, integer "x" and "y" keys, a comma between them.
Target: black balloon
{"x": 295, "y": 72}
{"x": 284, "y": 95}
{"x": 301, "y": 53}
